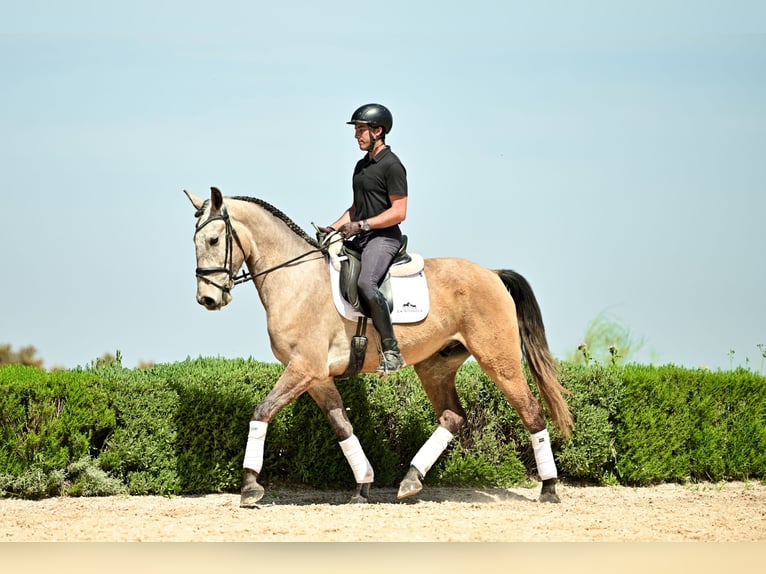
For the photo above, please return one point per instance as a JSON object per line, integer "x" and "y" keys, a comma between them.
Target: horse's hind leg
{"x": 328, "y": 399}
{"x": 509, "y": 377}
{"x": 437, "y": 374}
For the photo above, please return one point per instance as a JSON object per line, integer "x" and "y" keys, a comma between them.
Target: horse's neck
{"x": 273, "y": 243}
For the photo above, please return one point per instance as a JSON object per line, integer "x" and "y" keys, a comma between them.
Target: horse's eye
{"x": 214, "y": 241}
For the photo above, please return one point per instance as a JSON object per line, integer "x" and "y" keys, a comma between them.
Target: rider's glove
{"x": 350, "y": 228}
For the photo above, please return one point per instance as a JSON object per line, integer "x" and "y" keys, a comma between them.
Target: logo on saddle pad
{"x": 405, "y": 284}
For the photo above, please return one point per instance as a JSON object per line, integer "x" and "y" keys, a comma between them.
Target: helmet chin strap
{"x": 373, "y": 140}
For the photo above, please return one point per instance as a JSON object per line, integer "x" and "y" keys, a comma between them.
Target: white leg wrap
{"x": 546, "y": 466}
{"x": 254, "y": 450}
{"x": 431, "y": 450}
{"x": 356, "y": 458}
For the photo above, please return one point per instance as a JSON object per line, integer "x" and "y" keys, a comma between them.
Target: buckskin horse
{"x": 491, "y": 315}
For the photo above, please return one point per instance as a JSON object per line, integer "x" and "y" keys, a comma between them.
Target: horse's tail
{"x": 534, "y": 346}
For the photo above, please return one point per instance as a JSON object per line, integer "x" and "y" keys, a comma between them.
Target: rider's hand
{"x": 323, "y": 233}
{"x": 350, "y": 228}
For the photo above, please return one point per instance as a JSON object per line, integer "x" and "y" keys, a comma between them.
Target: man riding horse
{"x": 491, "y": 315}
{"x": 371, "y": 224}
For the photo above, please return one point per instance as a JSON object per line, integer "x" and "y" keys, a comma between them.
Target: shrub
{"x": 89, "y": 479}
{"x": 142, "y": 450}
{"x": 678, "y": 424}
{"x": 32, "y": 483}
{"x": 654, "y": 427}
{"x": 50, "y": 419}
{"x": 181, "y": 428}
{"x": 728, "y": 441}
{"x": 596, "y": 397}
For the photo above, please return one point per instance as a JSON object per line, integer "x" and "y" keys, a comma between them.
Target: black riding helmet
{"x": 374, "y": 115}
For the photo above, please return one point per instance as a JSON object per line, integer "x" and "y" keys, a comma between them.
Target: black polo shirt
{"x": 375, "y": 180}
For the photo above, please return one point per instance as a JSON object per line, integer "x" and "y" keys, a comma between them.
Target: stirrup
{"x": 392, "y": 362}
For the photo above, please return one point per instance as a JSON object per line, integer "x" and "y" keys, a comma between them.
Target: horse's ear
{"x": 216, "y": 198}
{"x": 196, "y": 201}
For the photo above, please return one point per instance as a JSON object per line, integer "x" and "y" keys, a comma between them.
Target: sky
{"x": 610, "y": 152}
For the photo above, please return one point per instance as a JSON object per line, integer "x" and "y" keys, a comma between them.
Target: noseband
{"x": 228, "y": 264}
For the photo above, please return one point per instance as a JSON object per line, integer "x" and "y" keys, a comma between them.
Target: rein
{"x": 246, "y": 276}
{"x": 228, "y": 264}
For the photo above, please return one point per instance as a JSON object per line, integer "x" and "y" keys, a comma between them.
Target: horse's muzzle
{"x": 212, "y": 298}
{"x": 208, "y": 303}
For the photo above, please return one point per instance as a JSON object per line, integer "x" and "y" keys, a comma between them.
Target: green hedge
{"x": 691, "y": 423}
{"x": 49, "y": 419}
{"x": 47, "y": 422}
{"x": 181, "y": 428}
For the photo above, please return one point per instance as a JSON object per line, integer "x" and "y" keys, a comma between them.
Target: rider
{"x": 371, "y": 224}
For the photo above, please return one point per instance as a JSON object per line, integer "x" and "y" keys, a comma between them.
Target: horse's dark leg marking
{"x": 328, "y": 399}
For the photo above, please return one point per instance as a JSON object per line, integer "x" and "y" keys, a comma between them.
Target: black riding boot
{"x": 381, "y": 319}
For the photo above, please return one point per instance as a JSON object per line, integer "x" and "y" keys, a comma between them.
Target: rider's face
{"x": 363, "y": 136}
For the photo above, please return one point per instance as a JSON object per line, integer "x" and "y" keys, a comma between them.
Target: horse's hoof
{"x": 411, "y": 484}
{"x": 548, "y": 492}
{"x": 549, "y": 497}
{"x": 249, "y": 498}
{"x": 251, "y": 491}
{"x": 362, "y": 495}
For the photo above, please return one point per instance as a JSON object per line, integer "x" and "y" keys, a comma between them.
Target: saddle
{"x": 348, "y": 261}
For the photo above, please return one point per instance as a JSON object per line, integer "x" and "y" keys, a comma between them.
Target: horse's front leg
{"x": 288, "y": 388}
{"x": 251, "y": 491}
{"x": 327, "y": 397}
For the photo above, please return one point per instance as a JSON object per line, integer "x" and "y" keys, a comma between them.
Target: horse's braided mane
{"x": 279, "y": 214}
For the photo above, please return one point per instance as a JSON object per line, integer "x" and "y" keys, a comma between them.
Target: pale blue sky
{"x": 611, "y": 152}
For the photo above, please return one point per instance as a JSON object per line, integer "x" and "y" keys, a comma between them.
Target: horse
{"x": 490, "y": 315}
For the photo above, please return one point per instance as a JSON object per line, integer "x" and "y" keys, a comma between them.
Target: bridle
{"x": 228, "y": 264}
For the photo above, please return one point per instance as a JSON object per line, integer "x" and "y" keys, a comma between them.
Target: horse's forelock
{"x": 201, "y": 209}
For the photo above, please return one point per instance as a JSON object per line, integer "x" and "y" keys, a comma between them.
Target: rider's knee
{"x": 367, "y": 292}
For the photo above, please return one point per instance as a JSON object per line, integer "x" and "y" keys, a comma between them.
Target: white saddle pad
{"x": 411, "y": 302}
